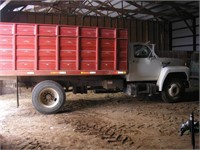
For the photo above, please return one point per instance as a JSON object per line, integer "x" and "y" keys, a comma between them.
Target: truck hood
{"x": 172, "y": 61}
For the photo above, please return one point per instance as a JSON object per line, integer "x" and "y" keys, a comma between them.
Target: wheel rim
{"x": 173, "y": 90}
{"x": 48, "y": 97}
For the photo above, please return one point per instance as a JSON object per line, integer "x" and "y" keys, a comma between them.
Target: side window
{"x": 141, "y": 51}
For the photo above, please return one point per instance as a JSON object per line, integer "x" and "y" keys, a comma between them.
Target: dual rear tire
{"x": 48, "y": 97}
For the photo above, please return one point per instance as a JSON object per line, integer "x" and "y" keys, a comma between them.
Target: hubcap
{"x": 173, "y": 90}
{"x": 48, "y": 97}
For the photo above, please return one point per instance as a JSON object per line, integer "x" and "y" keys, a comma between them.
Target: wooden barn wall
{"x": 139, "y": 31}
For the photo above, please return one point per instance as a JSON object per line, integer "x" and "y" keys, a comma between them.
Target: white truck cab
{"x": 149, "y": 74}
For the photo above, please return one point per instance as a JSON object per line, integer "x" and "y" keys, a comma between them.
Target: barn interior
{"x": 111, "y": 120}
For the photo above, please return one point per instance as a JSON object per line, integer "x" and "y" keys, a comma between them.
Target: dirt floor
{"x": 97, "y": 121}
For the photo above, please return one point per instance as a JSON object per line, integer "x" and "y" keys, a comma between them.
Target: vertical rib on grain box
{"x": 41, "y": 49}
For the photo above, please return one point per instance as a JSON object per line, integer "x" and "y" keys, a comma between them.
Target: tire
{"x": 48, "y": 97}
{"x": 173, "y": 90}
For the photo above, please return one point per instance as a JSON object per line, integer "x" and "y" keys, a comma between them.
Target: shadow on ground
{"x": 76, "y": 105}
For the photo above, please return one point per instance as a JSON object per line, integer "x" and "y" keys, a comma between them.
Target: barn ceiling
{"x": 143, "y": 10}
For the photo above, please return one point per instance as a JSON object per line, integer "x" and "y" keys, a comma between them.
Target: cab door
{"x": 142, "y": 65}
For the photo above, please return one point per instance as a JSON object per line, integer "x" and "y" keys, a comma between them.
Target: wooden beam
{"x": 143, "y": 10}
{"x": 93, "y": 9}
{"x": 185, "y": 6}
{"x": 30, "y": 2}
{"x": 3, "y": 5}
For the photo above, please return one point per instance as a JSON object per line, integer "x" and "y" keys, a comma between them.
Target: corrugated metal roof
{"x": 144, "y": 10}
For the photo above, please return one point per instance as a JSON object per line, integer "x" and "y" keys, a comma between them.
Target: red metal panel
{"x": 47, "y": 30}
{"x": 107, "y": 44}
{"x": 6, "y": 29}
{"x": 88, "y": 32}
{"x": 6, "y": 65}
{"x": 122, "y": 54}
{"x": 107, "y": 56}
{"x": 107, "y": 65}
{"x": 47, "y": 43}
{"x": 6, "y": 42}
{"x": 97, "y": 50}
{"x": 68, "y": 55}
{"x": 68, "y": 65}
{"x": 6, "y": 54}
{"x": 25, "y": 29}
{"x": 67, "y": 43}
{"x": 47, "y": 55}
{"x": 57, "y": 49}
{"x": 47, "y": 65}
{"x": 25, "y": 42}
{"x": 25, "y": 54}
{"x": 75, "y": 50}
{"x": 36, "y": 47}
{"x": 87, "y": 44}
{"x": 122, "y": 33}
{"x": 25, "y": 65}
{"x": 78, "y": 49}
{"x": 88, "y": 55}
{"x": 87, "y": 65}
{"x": 115, "y": 51}
{"x": 68, "y": 31}
{"x": 122, "y": 65}
{"x": 14, "y": 43}
{"x": 122, "y": 43}
{"x": 107, "y": 33}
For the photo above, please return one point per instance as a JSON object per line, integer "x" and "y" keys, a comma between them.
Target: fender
{"x": 171, "y": 69}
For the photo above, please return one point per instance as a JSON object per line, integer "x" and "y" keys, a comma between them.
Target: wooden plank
{"x": 133, "y": 31}
{"x": 120, "y": 23}
{"x": 56, "y": 19}
{"x": 47, "y": 19}
{"x": 39, "y": 18}
{"x": 94, "y": 21}
{"x": 107, "y": 22}
{"x": 86, "y": 21}
{"x": 31, "y": 19}
{"x": 151, "y": 31}
{"x": 100, "y": 21}
{"x": 71, "y": 20}
{"x": 78, "y": 20}
{"x": 114, "y": 22}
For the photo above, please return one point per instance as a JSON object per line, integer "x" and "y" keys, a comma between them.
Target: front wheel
{"x": 48, "y": 97}
{"x": 173, "y": 90}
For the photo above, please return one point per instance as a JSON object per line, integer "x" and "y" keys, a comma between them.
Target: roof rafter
{"x": 144, "y": 10}
{"x": 3, "y": 5}
{"x": 93, "y": 9}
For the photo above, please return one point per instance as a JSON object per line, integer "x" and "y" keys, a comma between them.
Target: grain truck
{"x": 53, "y": 59}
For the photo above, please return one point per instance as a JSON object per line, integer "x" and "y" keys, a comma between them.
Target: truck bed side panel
{"x": 42, "y": 49}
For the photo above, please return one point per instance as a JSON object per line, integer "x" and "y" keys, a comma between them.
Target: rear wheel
{"x": 173, "y": 90}
{"x": 48, "y": 97}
